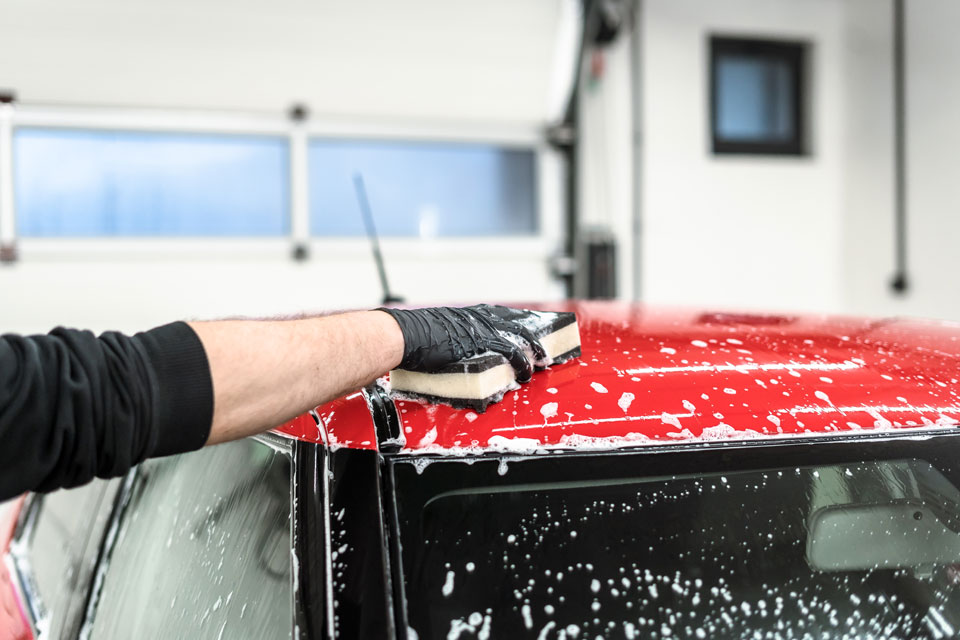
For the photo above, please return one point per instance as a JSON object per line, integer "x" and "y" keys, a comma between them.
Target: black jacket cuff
{"x": 182, "y": 388}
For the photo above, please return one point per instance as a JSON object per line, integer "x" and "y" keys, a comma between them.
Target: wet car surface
{"x": 694, "y": 474}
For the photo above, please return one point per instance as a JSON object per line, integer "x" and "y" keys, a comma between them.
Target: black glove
{"x": 438, "y": 336}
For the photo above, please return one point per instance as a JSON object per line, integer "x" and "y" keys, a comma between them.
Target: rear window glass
{"x": 860, "y": 549}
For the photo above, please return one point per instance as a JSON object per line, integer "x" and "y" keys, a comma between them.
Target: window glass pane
{"x": 423, "y": 189}
{"x": 204, "y": 550}
{"x": 94, "y": 183}
{"x": 857, "y": 550}
{"x": 60, "y": 536}
{"x": 755, "y": 101}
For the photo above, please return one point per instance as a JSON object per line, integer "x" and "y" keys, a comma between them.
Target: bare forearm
{"x": 266, "y": 372}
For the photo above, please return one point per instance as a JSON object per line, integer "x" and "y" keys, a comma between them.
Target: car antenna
{"x": 388, "y": 298}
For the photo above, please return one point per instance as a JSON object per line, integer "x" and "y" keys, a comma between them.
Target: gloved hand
{"x": 438, "y": 336}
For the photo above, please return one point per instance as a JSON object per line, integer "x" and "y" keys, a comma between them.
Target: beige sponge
{"x": 477, "y": 382}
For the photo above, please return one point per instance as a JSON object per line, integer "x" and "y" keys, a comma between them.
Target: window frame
{"x": 796, "y": 54}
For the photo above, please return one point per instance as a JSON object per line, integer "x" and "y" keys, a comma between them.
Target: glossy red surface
{"x": 345, "y": 421}
{"x": 653, "y": 375}
{"x": 13, "y": 623}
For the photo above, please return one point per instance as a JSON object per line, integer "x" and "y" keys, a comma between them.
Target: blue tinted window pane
{"x": 755, "y": 101}
{"x": 423, "y": 189}
{"x": 93, "y": 183}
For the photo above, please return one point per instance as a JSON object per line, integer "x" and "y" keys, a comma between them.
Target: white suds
{"x": 429, "y": 438}
{"x": 545, "y": 632}
{"x": 295, "y": 569}
{"x": 448, "y": 585}
{"x": 527, "y": 618}
{"x": 549, "y": 410}
{"x": 599, "y": 388}
{"x": 625, "y": 400}
{"x": 671, "y": 420}
{"x": 520, "y": 445}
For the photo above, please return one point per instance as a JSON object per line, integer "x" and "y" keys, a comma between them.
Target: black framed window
{"x": 751, "y": 540}
{"x": 757, "y": 96}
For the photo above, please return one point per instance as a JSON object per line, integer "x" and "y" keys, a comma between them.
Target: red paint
{"x": 712, "y": 375}
{"x": 345, "y": 421}
{"x": 13, "y": 622}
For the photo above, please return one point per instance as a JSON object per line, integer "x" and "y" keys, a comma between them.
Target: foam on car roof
{"x": 697, "y": 376}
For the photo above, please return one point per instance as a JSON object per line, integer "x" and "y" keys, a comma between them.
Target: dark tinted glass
{"x": 860, "y": 550}
{"x": 204, "y": 550}
{"x": 116, "y": 183}
{"x": 423, "y": 189}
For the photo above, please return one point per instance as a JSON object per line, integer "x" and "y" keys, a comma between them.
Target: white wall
{"x": 454, "y": 64}
{"x": 868, "y": 204}
{"x": 737, "y": 231}
{"x": 814, "y": 233}
{"x": 933, "y": 161}
{"x": 933, "y": 156}
{"x": 136, "y": 288}
{"x": 443, "y": 59}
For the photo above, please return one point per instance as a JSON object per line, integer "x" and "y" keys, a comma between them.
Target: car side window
{"x": 203, "y": 549}
{"x": 60, "y": 551}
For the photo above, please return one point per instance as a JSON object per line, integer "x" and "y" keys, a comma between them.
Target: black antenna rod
{"x": 900, "y": 282}
{"x": 388, "y": 298}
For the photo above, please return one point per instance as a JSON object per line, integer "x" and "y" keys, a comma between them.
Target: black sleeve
{"x": 74, "y": 406}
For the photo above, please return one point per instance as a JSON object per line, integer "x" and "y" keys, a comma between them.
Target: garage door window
{"x": 73, "y": 183}
{"x": 420, "y": 189}
{"x": 204, "y": 549}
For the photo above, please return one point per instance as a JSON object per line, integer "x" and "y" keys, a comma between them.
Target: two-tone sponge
{"x": 475, "y": 383}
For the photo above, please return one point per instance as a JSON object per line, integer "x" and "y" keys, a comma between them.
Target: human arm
{"x": 266, "y": 372}
{"x": 74, "y": 406}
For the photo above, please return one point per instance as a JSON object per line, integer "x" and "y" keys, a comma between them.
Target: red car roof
{"x": 652, "y": 376}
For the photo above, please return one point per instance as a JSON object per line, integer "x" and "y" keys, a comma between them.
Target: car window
{"x": 867, "y": 549}
{"x": 204, "y": 549}
{"x": 61, "y": 550}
